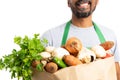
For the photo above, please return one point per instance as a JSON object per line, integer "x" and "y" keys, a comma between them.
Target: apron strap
{"x": 66, "y": 31}
{"x": 99, "y": 33}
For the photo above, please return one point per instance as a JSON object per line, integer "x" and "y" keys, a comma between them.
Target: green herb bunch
{"x": 19, "y": 61}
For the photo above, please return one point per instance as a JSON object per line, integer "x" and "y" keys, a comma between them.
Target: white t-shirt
{"x": 87, "y": 36}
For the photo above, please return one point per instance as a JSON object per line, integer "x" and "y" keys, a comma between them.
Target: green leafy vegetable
{"x": 19, "y": 62}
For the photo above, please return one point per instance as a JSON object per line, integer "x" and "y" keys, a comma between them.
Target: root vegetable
{"x": 35, "y": 63}
{"x": 51, "y": 67}
{"x": 107, "y": 45}
{"x": 71, "y": 60}
{"x": 73, "y": 45}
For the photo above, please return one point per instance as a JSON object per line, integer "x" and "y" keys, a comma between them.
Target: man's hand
{"x": 117, "y": 70}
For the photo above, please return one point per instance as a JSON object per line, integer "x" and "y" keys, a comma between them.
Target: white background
{"x": 26, "y": 17}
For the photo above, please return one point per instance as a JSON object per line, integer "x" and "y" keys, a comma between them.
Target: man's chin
{"x": 83, "y": 15}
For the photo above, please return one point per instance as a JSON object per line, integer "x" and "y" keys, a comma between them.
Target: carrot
{"x": 70, "y": 60}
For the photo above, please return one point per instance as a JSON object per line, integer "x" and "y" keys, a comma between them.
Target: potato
{"x": 70, "y": 60}
{"x": 51, "y": 67}
{"x": 35, "y": 63}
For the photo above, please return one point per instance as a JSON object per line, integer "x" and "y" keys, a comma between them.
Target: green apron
{"x": 66, "y": 31}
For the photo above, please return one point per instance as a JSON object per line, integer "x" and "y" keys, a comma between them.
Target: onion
{"x": 107, "y": 45}
{"x": 73, "y": 45}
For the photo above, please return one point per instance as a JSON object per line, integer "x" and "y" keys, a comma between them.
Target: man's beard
{"x": 82, "y": 14}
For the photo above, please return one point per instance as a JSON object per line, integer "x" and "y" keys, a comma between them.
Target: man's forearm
{"x": 117, "y": 70}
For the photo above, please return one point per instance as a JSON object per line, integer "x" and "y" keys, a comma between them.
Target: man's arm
{"x": 117, "y": 70}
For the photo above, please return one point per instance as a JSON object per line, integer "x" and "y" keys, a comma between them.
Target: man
{"x": 82, "y": 26}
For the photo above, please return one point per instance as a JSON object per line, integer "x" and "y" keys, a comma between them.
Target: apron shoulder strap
{"x": 66, "y": 31}
{"x": 99, "y": 33}
{"x": 65, "y": 34}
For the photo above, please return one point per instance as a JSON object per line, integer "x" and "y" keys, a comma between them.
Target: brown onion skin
{"x": 73, "y": 45}
{"x": 107, "y": 45}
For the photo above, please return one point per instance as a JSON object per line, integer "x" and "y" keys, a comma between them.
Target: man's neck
{"x": 82, "y": 22}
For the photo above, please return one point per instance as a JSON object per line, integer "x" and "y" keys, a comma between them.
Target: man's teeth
{"x": 84, "y": 4}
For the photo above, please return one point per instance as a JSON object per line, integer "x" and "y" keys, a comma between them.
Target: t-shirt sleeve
{"x": 47, "y": 35}
{"x": 116, "y": 52}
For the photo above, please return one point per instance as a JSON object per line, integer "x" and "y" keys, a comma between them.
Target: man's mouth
{"x": 83, "y": 5}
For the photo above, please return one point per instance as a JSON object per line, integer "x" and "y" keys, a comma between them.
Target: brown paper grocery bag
{"x": 102, "y": 69}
